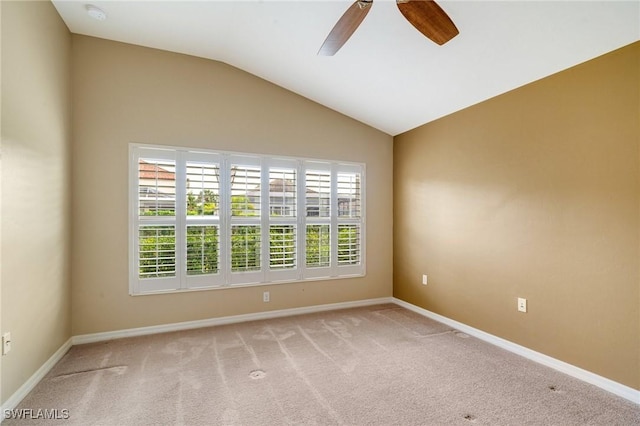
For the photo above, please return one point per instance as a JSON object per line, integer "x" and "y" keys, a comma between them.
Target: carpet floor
{"x": 376, "y": 365}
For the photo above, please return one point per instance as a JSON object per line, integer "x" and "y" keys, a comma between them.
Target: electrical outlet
{"x": 6, "y": 343}
{"x": 522, "y": 304}
{"x": 424, "y": 279}
{"x": 265, "y": 296}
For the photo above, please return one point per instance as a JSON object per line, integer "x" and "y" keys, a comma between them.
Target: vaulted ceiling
{"x": 388, "y": 75}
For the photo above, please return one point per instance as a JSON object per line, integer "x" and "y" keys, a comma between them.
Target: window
{"x": 202, "y": 219}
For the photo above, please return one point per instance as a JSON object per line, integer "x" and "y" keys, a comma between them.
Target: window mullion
{"x": 265, "y": 202}
{"x": 301, "y": 206}
{"x": 134, "y": 222}
{"x": 180, "y": 218}
{"x": 225, "y": 220}
{"x": 333, "y": 212}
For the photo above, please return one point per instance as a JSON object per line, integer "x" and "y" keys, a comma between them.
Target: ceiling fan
{"x": 425, "y": 15}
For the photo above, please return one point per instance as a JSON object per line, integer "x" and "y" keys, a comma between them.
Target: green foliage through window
{"x": 318, "y": 248}
{"x": 245, "y": 248}
{"x": 348, "y": 244}
{"x": 205, "y": 203}
{"x": 282, "y": 247}
{"x": 157, "y": 251}
{"x": 203, "y": 246}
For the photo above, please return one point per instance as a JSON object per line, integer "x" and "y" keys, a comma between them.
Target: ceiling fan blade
{"x": 429, "y": 19}
{"x": 345, "y": 27}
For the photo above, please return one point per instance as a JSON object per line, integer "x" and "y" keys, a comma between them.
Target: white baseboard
{"x": 19, "y": 395}
{"x": 586, "y": 376}
{"x": 109, "y": 335}
{"x": 609, "y": 385}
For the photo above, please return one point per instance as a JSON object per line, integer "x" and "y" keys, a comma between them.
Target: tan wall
{"x": 533, "y": 194}
{"x": 125, "y": 93}
{"x": 36, "y": 139}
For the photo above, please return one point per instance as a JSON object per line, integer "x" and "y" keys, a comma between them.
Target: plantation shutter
{"x": 156, "y": 265}
{"x": 282, "y": 191}
{"x": 245, "y": 213}
{"x": 349, "y": 220}
{"x": 202, "y": 219}
{"x": 318, "y": 211}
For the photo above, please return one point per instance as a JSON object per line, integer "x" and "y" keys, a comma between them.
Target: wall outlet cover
{"x": 6, "y": 343}
{"x": 522, "y": 304}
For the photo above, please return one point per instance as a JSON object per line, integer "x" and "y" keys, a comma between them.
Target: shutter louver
{"x": 203, "y": 189}
{"x": 349, "y": 205}
{"x": 282, "y": 193}
{"x": 318, "y": 193}
{"x": 318, "y": 248}
{"x": 157, "y": 253}
{"x": 348, "y": 245}
{"x": 203, "y": 249}
{"x": 245, "y": 248}
{"x": 245, "y": 191}
{"x": 156, "y": 187}
{"x": 282, "y": 246}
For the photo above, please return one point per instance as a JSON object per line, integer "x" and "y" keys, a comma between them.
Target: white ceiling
{"x": 387, "y": 75}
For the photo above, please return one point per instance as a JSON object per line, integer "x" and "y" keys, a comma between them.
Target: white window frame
{"x": 225, "y": 278}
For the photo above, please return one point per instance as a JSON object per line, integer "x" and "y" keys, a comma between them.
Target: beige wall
{"x": 535, "y": 194}
{"x": 1, "y": 329}
{"x": 125, "y": 93}
{"x": 36, "y": 133}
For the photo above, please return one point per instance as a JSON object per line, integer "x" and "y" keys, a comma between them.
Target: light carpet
{"x": 377, "y": 365}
